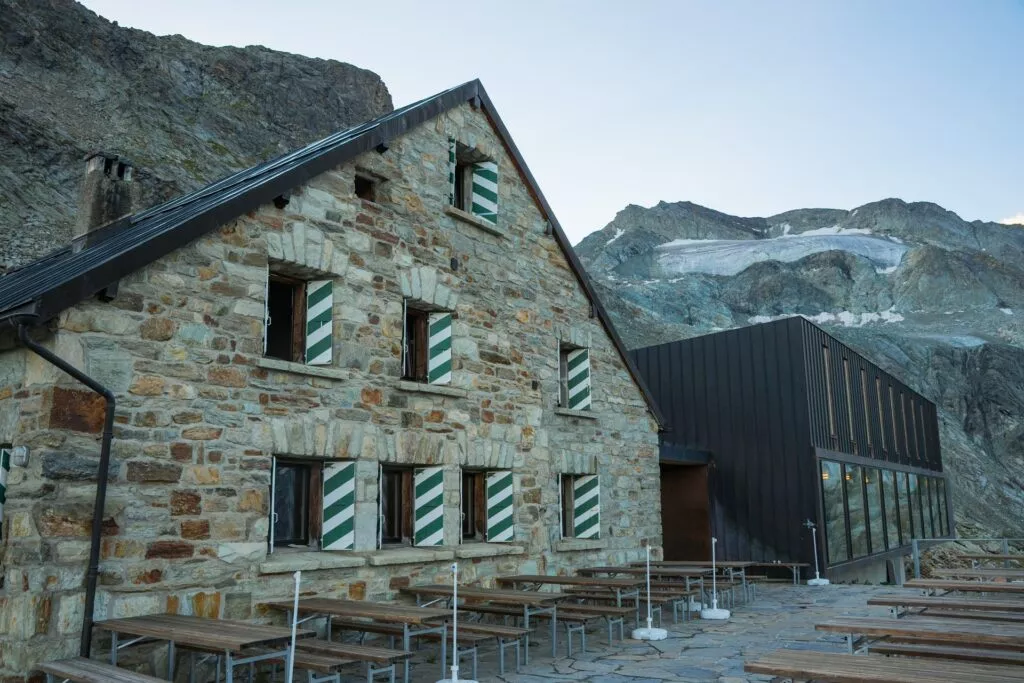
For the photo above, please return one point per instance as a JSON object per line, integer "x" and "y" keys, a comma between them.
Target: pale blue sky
{"x": 751, "y": 108}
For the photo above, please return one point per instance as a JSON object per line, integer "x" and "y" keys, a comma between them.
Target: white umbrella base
{"x": 455, "y": 680}
{"x": 714, "y": 613}
{"x": 649, "y": 634}
{"x": 817, "y": 582}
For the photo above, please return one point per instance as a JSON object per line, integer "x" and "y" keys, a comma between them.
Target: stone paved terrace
{"x": 782, "y": 616}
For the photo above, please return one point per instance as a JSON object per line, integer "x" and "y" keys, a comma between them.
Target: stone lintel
{"x": 473, "y": 550}
{"x": 389, "y": 556}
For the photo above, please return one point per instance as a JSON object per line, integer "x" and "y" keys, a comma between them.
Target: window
{"x": 411, "y": 506}
{"x": 858, "y": 510}
{"x": 892, "y": 414}
{"x": 487, "y": 506}
{"x": 849, "y": 402}
{"x": 835, "y": 512}
{"x": 580, "y": 506}
{"x": 574, "y": 378}
{"x": 930, "y": 514}
{"x": 906, "y": 516}
{"x": 5, "y": 468}
{"x": 395, "y": 505}
{"x": 923, "y": 432}
{"x": 914, "y": 496}
{"x": 298, "y": 325}
{"x": 891, "y": 495}
{"x": 873, "y": 487}
{"x": 427, "y": 347}
{"x": 314, "y": 501}
{"x": 906, "y": 429}
{"x": 365, "y": 188}
{"x": 828, "y": 391}
{"x": 867, "y": 409}
{"x": 943, "y": 510}
{"x": 473, "y": 181}
{"x": 881, "y": 413}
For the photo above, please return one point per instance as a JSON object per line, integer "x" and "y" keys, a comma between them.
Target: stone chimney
{"x": 108, "y": 193}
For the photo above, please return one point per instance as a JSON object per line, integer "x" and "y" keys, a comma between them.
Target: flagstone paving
{"x": 782, "y": 616}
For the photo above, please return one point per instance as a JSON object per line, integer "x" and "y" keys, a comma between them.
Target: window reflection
{"x": 835, "y": 515}
{"x": 891, "y": 510}
{"x": 858, "y": 512}
{"x": 906, "y": 517}
{"x": 873, "y": 486}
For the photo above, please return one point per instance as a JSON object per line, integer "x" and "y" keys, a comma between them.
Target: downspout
{"x": 92, "y": 573}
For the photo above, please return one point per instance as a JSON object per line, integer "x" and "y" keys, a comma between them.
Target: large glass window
{"x": 944, "y": 510}
{"x": 858, "y": 511}
{"x": 835, "y": 514}
{"x": 891, "y": 510}
{"x": 873, "y": 488}
{"x": 916, "y": 509}
{"x": 906, "y": 518}
{"x": 936, "y": 510}
{"x": 926, "y": 500}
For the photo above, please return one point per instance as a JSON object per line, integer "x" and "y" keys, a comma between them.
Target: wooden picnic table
{"x": 533, "y": 603}
{"x": 730, "y": 568}
{"x": 981, "y": 605}
{"x": 210, "y": 635}
{"x": 621, "y": 587}
{"x": 687, "y": 574}
{"x": 933, "y": 585}
{"x": 981, "y": 557}
{"x": 415, "y": 621}
{"x": 846, "y": 668}
{"x": 942, "y": 630}
{"x": 794, "y": 568}
{"x": 1008, "y": 574}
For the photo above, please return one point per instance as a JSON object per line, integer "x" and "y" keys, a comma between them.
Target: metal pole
{"x": 650, "y": 618}
{"x": 290, "y": 668}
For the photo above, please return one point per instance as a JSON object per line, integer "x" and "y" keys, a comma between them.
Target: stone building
{"x": 364, "y": 359}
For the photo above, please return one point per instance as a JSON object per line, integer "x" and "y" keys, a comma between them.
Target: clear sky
{"x": 748, "y": 107}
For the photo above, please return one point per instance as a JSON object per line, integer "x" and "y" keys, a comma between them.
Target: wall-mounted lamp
{"x": 19, "y": 456}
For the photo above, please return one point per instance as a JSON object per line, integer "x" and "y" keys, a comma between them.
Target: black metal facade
{"x": 757, "y": 399}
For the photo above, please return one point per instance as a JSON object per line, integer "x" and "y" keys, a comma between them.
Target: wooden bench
{"x": 676, "y": 598}
{"x": 469, "y": 640}
{"x": 943, "y": 602}
{"x": 801, "y": 665}
{"x": 373, "y": 657}
{"x": 969, "y": 654}
{"x": 574, "y": 617}
{"x": 82, "y": 670}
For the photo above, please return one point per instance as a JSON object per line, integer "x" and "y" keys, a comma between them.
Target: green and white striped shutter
{"x": 578, "y": 379}
{"x": 319, "y": 309}
{"x": 500, "y": 526}
{"x": 451, "y": 171}
{"x": 586, "y": 513}
{"x": 428, "y": 495}
{"x": 339, "y": 506}
{"x": 5, "y": 468}
{"x": 439, "y": 349}
{"x": 485, "y": 191}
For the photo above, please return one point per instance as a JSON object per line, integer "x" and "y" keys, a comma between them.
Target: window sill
{"x": 300, "y": 369}
{"x": 382, "y": 558}
{"x": 567, "y": 545}
{"x": 584, "y": 414}
{"x": 469, "y": 218}
{"x": 468, "y": 551}
{"x": 423, "y": 388}
{"x": 285, "y": 561}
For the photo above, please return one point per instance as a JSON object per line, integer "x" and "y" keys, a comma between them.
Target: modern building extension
{"x": 775, "y": 424}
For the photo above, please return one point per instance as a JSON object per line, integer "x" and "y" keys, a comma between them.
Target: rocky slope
{"x": 184, "y": 113}
{"x": 934, "y": 299}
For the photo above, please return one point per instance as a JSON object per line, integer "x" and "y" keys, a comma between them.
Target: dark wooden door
{"x": 685, "y": 512}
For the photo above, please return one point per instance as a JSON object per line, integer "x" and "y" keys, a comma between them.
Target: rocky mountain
{"x": 186, "y": 114}
{"x": 934, "y": 299}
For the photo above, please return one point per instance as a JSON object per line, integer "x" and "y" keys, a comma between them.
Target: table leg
{"x": 526, "y": 625}
{"x": 405, "y": 646}
{"x": 796, "y": 572}
{"x": 113, "y": 648}
{"x": 170, "y": 660}
{"x": 229, "y": 667}
{"x": 444, "y": 650}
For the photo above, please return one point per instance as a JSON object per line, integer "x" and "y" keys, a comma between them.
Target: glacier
{"x": 729, "y": 257}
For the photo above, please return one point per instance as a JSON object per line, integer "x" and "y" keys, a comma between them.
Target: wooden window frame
{"x": 406, "y": 507}
{"x": 473, "y": 506}
{"x": 568, "y": 499}
{"x": 298, "y": 326}
{"x": 314, "y": 512}
{"x": 415, "y": 345}
{"x": 827, "y": 354}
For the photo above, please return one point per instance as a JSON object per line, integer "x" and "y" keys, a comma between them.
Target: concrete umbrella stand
{"x": 817, "y": 580}
{"x": 714, "y": 612}
{"x": 649, "y": 633}
{"x": 455, "y": 629}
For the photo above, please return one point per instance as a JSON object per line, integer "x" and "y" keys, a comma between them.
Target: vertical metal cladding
{"x": 757, "y": 399}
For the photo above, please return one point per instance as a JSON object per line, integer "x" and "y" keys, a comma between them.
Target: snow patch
{"x": 729, "y": 257}
{"x": 831, "y": 230}
{"x": 886, "y": 271}
{"x": 844, "y": 318}
{"x": 1007, "y": 311}
{"x": 619, "y": 232}
{"x": 786, "y": 228}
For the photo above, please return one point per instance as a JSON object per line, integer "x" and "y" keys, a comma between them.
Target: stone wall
{"x": 200, "y": 411}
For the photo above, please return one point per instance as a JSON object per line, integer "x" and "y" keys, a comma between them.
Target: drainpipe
{"x": 92, "y": 573}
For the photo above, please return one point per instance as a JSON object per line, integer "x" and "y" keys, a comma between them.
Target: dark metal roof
{"x": 70, "y": 275}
